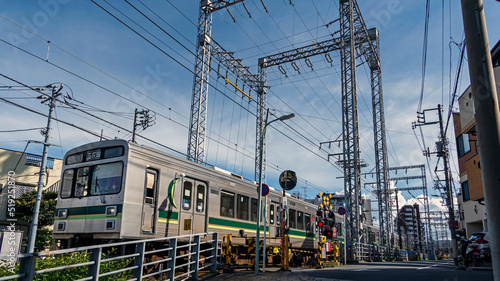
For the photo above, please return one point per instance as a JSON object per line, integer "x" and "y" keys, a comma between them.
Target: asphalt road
{"x": 395, "y": 271}
{"x": 373, "y": 271}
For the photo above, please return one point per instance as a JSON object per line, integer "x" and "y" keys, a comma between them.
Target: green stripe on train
{"x": 234, "y": 224}
{"x": 253, "y": 226}
{"x": 301, "y": 233}
{"x": 168, "y": 214}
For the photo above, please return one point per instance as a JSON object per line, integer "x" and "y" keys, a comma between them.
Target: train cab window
{"x": 307, "y": 222}
{"x": 113, "y": 152}
{"x": 271, "y": 214}
{"x": 82, "y": 180}
{"x": 106, "y": 178}
{"x": 200, "y": 199}
{"x": 226, "y": 204}
{"x": 186, "y": 195}
{"x": 291, "y": 218}
{"x": 300, "y": 220}
{"x": 242, "y": 206}
{"x": 67, "y": 183}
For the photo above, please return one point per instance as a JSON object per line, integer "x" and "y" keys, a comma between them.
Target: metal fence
{"x": 367, "y": 252}
{"x": 172, "y": 258}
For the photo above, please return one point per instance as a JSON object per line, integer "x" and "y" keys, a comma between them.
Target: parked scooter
{"x": 474, "y": 250}
{"x": 463, "y": 258}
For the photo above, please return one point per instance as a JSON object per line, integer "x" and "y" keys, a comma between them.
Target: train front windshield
{"x": 92, "y": 179}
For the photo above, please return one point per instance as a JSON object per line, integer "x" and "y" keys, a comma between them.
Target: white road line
{"x": 427, "y": 267}
{"x": 329, "y": 279}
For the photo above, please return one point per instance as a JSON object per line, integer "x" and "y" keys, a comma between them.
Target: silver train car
{"x": 115, "y": 190}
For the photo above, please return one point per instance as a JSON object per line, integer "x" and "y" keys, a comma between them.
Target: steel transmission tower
{"x": 351, "y": 159}
{"x": 261, "y": 117}
{"x": 422, "y": 176}
{"x": 198, "y": 119}
{"x": 353, "y": 34}
{"x": 381, "y": 163}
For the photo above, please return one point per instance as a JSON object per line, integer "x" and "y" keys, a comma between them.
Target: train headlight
{"x": 62, "y": 213}
{"x": 111, "y": 211}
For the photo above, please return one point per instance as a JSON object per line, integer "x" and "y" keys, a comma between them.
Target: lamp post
{"x": 282, "y": 118}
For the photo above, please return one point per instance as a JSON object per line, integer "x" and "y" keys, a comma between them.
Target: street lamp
{"x": 263, "y": 136}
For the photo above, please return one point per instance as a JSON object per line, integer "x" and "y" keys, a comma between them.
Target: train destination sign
{"x": 288, "y": 180}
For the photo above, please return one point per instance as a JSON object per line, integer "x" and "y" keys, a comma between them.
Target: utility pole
{"x": 487, "y": 117}
{"x": 146, "y": 121}
{"x": 449, "y": 191}
{"x": 34, "y": 223}
{"x": 398, "y": 225}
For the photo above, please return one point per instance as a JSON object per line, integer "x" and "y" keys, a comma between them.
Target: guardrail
{"x": 171, "y": 258}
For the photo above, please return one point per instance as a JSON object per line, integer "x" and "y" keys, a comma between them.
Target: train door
{"x": 149, "y": 200}
{"x": 193, "y": 207}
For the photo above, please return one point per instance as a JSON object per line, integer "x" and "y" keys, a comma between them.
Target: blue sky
{"x": 88, "y": 42}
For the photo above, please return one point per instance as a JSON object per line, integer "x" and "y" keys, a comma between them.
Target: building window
{"x": 465, "y": 191}
{"x": 463, "y": 145}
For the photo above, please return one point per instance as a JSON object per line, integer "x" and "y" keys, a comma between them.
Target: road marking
{"x": 427, "y": 267}
{"x": 329, "y": 279}
{"x": 365, "y": 269}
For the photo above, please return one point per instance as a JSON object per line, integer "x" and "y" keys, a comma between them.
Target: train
{"x": 116, "y": 190}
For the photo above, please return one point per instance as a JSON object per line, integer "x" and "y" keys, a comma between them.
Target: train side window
{"x": 150, "y": 187}
{"x": 200, "y": 199}
{"x": 279, "y": 215}
{"x": 300, "y": 220}
{"x": 82, "y": 180}
{"x": 307, "y": 221}
{"x": 253, "y": 210}
{"x": 186, "y": 195}
{"x": 271, "y": 214}
{"x": 340, "y": 229}
{"x": 67, "y": 183}
{"x": 226, "y": 204}
{"x": 242, "y": 206}
{"x": 291, "y": 219}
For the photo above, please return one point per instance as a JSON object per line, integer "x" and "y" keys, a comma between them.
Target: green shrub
{"x": 76, "y": 272}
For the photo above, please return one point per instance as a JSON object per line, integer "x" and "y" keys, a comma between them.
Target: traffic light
{"x": 328, "y": 233}
{"x": 320, "y": 223}
{"x": 331, "y": 215}
{"x": 319, "y": 214}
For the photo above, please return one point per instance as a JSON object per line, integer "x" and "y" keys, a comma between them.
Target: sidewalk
{"x": 270, "y": 275}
